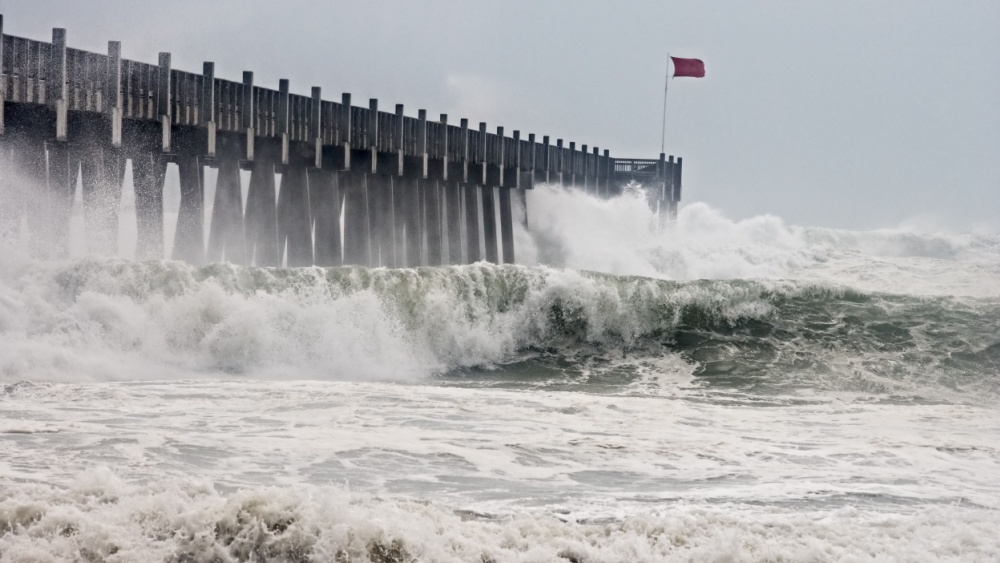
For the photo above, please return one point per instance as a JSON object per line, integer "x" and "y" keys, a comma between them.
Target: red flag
{"x": 688, "y": 67}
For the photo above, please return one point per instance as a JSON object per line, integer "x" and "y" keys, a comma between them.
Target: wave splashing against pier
{"x": 746, "y": 390}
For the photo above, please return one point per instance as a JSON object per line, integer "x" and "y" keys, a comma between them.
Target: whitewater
{"x": 715, "y": 391}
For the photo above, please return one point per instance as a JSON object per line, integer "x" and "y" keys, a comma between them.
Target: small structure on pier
{"x": 358, "y": 186}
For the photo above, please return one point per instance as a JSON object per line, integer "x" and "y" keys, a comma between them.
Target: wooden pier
{"x": 358, "y": 185}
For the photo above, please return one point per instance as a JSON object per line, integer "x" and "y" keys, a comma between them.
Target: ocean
{"x": 719, "y": 391}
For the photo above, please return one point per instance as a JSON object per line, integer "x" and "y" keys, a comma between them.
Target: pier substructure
{"x": 358, "y": 186}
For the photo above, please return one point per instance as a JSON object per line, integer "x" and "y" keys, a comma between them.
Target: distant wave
{"x": 571, "y": 229}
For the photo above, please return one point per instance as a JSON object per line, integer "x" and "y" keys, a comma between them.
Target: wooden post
{"x": 570, "y": 165}
{"x": 596, "y": 171}
{"x": 164, "y": 107}
{"x": 675, "y": 200}
{"x": 489, "y": 204}
{"x": 249, "y": 118}
{"x": 207, "y": 111}
{"x": 560, "y": 163}
{"x": 546, "y": 160}
{"x": 113, "y": 91}
{"x": 56, "y": 86}
{"x": 399, "y": 187}
{"x": 453, "y": 204}
{"x": 345, "y": 129}
{"x": 284, "y": 124}
{"x": 503, "y": 195}
{"x": 606, "y": 179}
{"x": 431, "y": 196}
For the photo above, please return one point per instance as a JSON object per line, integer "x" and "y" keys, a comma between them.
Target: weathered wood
{"x": 164, "y": 107}
{"x": 62, "y": 175}
{"x": 399, "y": 212}
{"x": 56, "y": 84}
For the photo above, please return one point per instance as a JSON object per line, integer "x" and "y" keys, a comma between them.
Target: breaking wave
{"x": 100, "y": 518}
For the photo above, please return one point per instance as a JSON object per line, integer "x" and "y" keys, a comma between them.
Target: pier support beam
{"x": 453, "y": 204}
{"x": 63, "y": 167}
{"x": 506, "y": 226}
{"x": 432, "y": 217}
{"x": 294, "y": 232}
{"x": 472, "y": 251}
{"x": 102, "y": 171}
{"x": 261, "y": 218}
{"x": 413, "y": 223}
{"x": 383, "y": 248}
{"x": 490, "y": 225}
{"x": 189, "y": 237}
{"x": 226, "y": 236}
{"x": 149, "y": 169}
{"x": 357, "y": 241}
{"x": 324, "y": 199}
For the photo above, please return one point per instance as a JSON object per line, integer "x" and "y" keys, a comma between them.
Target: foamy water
{"x": 722, "y": 391}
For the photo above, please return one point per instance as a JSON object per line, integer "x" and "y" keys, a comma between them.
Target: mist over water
{"x": 716, "y": 390}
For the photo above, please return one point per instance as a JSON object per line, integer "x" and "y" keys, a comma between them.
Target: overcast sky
{"x": 847, "y": 113}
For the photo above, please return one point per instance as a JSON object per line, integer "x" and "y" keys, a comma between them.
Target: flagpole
{"x": 663, "y": 131}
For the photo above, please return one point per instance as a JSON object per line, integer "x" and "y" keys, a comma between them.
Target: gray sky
{"x": 856, "y": 114}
